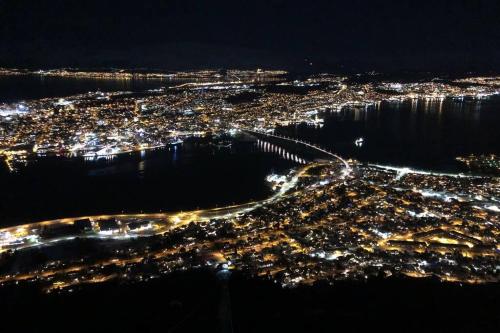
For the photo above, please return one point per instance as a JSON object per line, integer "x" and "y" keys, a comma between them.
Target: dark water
{"x": 27, "y": 87}
{"x": 193, "y": 176}
{"x": 421, "y": 134}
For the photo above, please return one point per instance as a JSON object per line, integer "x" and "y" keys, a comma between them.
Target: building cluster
{"x": 98, "y": 125}
{"x": 482, "y": 163}
{"x": 327, "y": 220}
{"x": 122, "y": 74}
{"x": 322, "y": 224}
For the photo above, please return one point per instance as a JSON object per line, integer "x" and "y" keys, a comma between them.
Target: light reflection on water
{"x": 424, "y": 133}
{"x": 183, "y": 178}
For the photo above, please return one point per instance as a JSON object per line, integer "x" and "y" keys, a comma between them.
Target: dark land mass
{"x": 191, "y": 302}
{"x": 389, "y": 36}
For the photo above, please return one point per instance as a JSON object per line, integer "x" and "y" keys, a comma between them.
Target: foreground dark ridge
{"x": 190, "y": 299}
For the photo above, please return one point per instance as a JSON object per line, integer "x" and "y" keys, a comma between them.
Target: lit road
{"x": 28, "y": 235}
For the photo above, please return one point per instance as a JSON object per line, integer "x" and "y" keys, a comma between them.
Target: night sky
{"x": 354, "y": 35}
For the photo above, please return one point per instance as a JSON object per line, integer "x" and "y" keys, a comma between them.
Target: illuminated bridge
{"x": 347, "y": 168}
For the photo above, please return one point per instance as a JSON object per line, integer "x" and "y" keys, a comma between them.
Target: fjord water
{"x": 185, "y": 177}
{"x": 426, "y": 134}
{"x": 16, "y": 88}
{"x": 423, "y": 133}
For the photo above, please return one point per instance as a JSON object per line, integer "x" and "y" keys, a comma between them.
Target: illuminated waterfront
{"x": 309, "y": 212}
{"x": 181, "y": 166}
{"x": 422, "y": 134}
{"x": 197, "y": 174}
{"x": 103, "y": 124}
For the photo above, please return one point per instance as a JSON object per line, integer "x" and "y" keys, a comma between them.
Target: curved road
{"x": 28, "y": 235}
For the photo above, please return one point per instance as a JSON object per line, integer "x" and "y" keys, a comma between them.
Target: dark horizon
{"x": 349, "y": 36}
